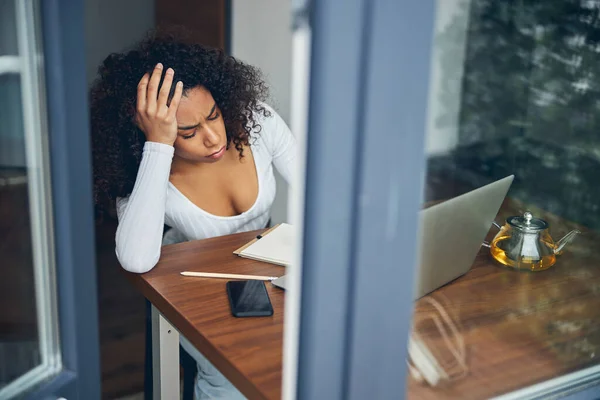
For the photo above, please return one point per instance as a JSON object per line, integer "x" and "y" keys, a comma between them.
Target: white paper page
{"x": 277, "y": 246}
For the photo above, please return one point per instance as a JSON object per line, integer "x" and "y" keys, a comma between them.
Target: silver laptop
{"x": 451, "y": 234}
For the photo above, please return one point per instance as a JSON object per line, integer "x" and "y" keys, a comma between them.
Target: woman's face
{"x": 201, "y": 133}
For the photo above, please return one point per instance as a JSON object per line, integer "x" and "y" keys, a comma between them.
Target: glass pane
{"x": 514, "y": 91}
{"x": 19, "y": 343}
{"x": 8, "y": 30}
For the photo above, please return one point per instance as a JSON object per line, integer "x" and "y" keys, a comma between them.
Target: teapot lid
{"x": 527, "y": 222}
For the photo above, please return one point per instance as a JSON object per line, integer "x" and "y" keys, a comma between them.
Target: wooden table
{"x": 520, "y": 328}
{"x": 248, "y": 351}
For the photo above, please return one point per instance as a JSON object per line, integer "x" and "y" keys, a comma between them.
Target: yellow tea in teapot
{"x": 497, "y": 250}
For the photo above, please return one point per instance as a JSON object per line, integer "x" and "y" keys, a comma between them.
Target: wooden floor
{"x": 121, "y": 308}
{"x": 122, "y": 322}
{"x": 18, "y": 319}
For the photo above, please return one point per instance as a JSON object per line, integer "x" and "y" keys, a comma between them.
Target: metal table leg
{"x": 165, "y": 358}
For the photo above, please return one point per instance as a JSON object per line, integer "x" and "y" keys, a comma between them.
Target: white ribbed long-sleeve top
{"x": 154, "y": 201}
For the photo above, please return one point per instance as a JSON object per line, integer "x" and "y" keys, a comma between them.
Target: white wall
{"x": 112, "y": 26}
{"x": 442, "y": 138}
{"x": 261, "y": 35}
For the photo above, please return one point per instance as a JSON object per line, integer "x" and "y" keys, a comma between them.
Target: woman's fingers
{"x": 157, "y": 120}
{"x": 153, "y": 87}
{"x": 141, "y": 93}
{"x": 165, "y": 89}
{"x": 175, "y": 101}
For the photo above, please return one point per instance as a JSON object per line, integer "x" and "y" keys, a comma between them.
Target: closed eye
{"x": 191, "y": 135}
{"x": 214, "y": 116}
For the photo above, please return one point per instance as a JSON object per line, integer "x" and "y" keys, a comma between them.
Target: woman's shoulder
{"x": 265, "y": 113}
{"x": 272, "y": 125}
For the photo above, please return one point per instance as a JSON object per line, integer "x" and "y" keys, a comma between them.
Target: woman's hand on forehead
{"x": 154, "y": 116}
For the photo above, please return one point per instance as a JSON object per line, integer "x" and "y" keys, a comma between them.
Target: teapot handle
{"x": 487, "y": 244}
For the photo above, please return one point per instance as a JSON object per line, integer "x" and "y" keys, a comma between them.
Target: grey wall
{"x": 262, "y": 36}
{"x": 12, "y": 139}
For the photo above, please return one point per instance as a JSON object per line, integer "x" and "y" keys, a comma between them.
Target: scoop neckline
{"x": 229, "y": 217}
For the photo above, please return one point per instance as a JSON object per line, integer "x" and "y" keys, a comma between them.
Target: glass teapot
{"x": 524, "y": 243}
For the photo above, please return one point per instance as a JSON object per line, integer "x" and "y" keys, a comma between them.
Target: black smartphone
{"x": 249, "y": 299}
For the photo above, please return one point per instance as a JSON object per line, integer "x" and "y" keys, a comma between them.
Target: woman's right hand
{"x": 157, "y": 120}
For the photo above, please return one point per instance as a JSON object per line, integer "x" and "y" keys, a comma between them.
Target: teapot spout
{"x": 565, "y": 240}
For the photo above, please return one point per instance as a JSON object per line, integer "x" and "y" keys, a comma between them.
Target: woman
{"x": 181, "y": 137}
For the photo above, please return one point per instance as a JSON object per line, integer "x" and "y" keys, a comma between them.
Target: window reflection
{"x": 515, "y": 91}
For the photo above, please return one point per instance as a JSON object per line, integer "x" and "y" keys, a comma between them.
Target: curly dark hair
{"x": 117, "y": 142}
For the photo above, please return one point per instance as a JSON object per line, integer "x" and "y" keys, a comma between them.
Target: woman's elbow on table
{"x": 136, "y": 263}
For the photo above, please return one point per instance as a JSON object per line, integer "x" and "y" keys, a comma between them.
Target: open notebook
{"x": 275, "y": 246}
